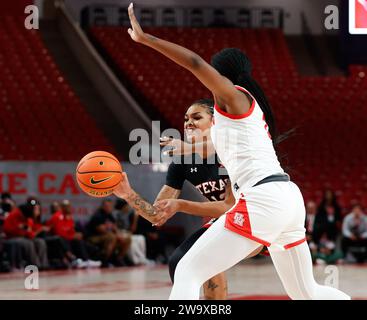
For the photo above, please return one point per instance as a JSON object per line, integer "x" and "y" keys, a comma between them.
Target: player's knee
{"x": 189, "y": 273}
{"x": 181, "y": 272}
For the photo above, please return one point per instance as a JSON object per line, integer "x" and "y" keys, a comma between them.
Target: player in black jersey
{"x": 209, "y": 178}
{"x": 204, "y": 175}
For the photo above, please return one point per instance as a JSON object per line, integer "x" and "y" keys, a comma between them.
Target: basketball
{"x": 98, "y": 173}
{"x": 132, "y": 130}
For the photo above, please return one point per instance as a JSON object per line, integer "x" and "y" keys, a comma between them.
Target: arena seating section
{"x": 40, "y": 116}
{"x": 329, "y": 112}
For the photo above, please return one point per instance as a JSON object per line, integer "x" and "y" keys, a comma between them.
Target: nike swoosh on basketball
{"x": 92, "y": 181}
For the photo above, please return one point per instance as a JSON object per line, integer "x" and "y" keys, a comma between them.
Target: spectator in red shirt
{"x": 40, "y": 230}
{"x": 10, "y": 250}
{"x": 55, "y": 207}
{"x": 19, "y": 226}
{"x": 62, "y": 224}
{"x": 57, "y": 255}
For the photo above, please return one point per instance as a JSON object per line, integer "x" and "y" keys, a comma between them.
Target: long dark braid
{"x": 236, "y": 66}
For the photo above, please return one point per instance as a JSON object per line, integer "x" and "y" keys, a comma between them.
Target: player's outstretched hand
{"x": 165, "y": 209}
{"x": 136, "y": 32}
{"x": 123, "y": 189}
{"x": 178, "y": 146}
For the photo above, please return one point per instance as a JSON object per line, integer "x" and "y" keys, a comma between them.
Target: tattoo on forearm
{"x": 212, "y": 285}
{"x": 195, "y": 61}
{"x": 152, "y": 38}
{"x": 141, "y": 205}
{"x": 168, "y": 193}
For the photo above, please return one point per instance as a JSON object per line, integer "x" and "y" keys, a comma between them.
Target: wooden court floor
{"x": 255, "y": 279}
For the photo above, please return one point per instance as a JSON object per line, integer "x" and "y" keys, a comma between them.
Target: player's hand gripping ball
{"x": 98, "y": 173}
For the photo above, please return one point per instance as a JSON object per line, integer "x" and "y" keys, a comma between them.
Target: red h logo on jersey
{"x": 239, "y": 219}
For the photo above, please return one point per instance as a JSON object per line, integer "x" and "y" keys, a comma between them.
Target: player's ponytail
{"x": 236, "y": 66}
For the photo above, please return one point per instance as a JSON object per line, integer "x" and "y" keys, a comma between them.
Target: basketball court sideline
{"x": 253, "y": 280}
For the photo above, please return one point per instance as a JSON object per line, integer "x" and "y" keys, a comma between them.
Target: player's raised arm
{"x": 204, "y": 148}
{"x": 222, "y": 88}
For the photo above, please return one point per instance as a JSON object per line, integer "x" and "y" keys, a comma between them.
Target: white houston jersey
{"x": 244, "y": 146}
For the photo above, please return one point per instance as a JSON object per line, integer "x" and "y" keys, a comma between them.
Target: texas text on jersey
{"x": 209, "y": 177}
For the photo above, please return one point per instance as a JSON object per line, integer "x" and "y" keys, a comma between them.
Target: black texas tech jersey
{"x": 209, "y": 179}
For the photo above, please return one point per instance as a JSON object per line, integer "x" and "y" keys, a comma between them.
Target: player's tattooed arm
{"x": 213, "y": 209}
{"x": 147, "y": 210}
{"x": 140, "y": 205}
{"x": 167, "y": 192}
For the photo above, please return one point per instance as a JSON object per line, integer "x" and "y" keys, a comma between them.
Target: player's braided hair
{"x": 236, "y": 66}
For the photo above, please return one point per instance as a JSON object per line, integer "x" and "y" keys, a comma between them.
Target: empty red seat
{"x": 41, "y": 109}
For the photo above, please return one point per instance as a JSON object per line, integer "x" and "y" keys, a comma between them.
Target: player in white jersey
{"x": 269, "y": 209}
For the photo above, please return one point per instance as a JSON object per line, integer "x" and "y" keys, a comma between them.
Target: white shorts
{"x": 272, "y": 214}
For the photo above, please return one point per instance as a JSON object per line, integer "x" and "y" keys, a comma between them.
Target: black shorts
{"x": 181, "y": 251}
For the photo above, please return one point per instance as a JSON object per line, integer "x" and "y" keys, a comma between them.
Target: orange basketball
{"x": 98, "y": 173}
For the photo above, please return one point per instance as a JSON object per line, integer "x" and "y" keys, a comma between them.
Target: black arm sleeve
{"x": 175, "y": 176}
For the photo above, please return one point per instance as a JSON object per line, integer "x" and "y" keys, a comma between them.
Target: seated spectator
{"x": 160, "y": 241}
{"x": 311, "y": 210}
{"x": 54, "y": 207}
{"x": 55, "y": 249}
{"x": 6, "y": 205}
{"x": 19, "y": 227}
{"x": 327, "y": 252}
{"x": 327, "y": 219}
{"x": 355, "y": 234}
{"x": 310, "y": 219}
{"x": 39, "y": 229}
{"x": 127, "y": 220}
{"x": 62, "y": 225}
{"x": 125, "y": 216}
{"x": 10, "y": 250}
{"x": 330, "y": 199}
{"x": 58, "y": 256}
{"x": 102, "y": 231}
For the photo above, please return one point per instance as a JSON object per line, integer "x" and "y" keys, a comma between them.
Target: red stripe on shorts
{"x": 293, "y": 244}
